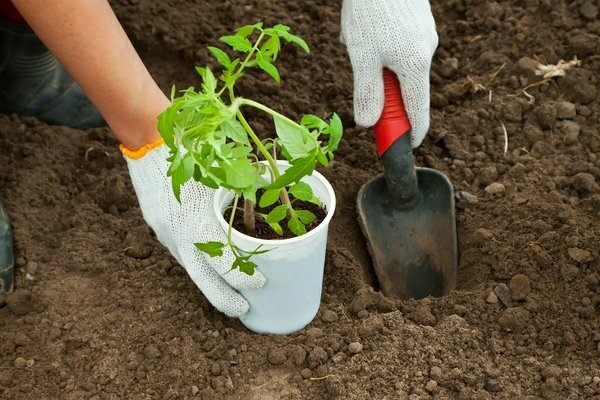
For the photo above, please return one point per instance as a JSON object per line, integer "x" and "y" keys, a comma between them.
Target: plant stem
{"x": 249, "y": 218}
{"x": 229, "y": 242}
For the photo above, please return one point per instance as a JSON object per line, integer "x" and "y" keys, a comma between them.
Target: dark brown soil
{"x": 104, "y": 312}
{"x": 262, "y": 228}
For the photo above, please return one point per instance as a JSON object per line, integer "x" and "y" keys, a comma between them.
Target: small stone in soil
{"x": 276, "y": 356}
{"x": 431, "y": 385}
{"x": 306, "y": 373}
{"x": 514, "y": 319}
{"x": 503, "y": 293}
{"x": 488, "y": 175}
{"x": 519, "y": 287}
{"x": 570, "y": 131}
{"x": 465, "y": 199}
{"x": 493, "y": 385}
{"x": 580, "y": 255}
{"x": 436, "y": 374}
{"x": 589, "y": 10}
{"x": 492, "y": 298}
{"x": 495, "y": 189}
{"x": 152, "y": 352}
{"x": 20, "y": 302}
{"x": 20, "y": 362}
{"x": 329, "y": 316}
{"x": 565, "y": 110}
{"x": 585, "y": 182}
{"x": 355, "y": 347}
{"x": 422, "y": 315}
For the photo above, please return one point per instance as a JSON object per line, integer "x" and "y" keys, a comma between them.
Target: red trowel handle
{"x": 394, "y": 122}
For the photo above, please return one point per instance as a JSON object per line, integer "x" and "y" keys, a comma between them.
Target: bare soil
{"x": 102, "y": 311}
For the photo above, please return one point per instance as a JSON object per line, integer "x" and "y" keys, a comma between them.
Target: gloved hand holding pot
{"x": 242, "y": 210}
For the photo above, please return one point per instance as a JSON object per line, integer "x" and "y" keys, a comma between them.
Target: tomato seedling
{"x": 211, "y": 141}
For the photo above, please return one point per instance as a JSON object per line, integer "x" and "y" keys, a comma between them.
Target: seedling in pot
{"x": 212, "y": 142}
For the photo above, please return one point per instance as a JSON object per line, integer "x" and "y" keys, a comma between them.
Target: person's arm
{"x": 89, "y": 41}
{"x": 87, "y": 38}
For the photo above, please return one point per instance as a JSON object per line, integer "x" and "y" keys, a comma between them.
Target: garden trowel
{"x": 407, "y": 213}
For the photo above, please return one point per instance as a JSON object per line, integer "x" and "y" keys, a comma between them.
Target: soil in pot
{"x": 263, "y": 230}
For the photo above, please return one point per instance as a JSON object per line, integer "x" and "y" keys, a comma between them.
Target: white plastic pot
{"x": 293, "y": 267}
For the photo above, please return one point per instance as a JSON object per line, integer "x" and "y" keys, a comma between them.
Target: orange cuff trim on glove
{"x": 142, "y": 151}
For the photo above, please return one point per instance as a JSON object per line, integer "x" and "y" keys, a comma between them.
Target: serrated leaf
{"x": 322, "y": 158}
{"x": 240, "y": 152}
{"x": 165, "y": 126}
{"x": 247, "y": 30}
{"x": 237, "y": 43}
{"x": 240, "y": 173}
{"x": 268, "y": 198}
{"x": 313, "y": 122}
{"x": 296, "y": 226}
{"x": 234, "y": 130}
{"x": 244, "y": 265}
{"x": 271, "y": 48}
{"x": 299, "y": 169}
{"x": 277, "y": 228}
{"x": 269, "y": 68}
{"x": 298, "y": 41}
{"x": 213, "y": 249}
{"x": 335, "y": 134}
{"x": 277, "y": 214}
{"x": 305, "y": 216}
{"x": 302, "y": 191}
{"x": 209, "y": 82}
{"x": 181, "y": 174}
{"x": 294, "y": 138}
{"x": 221, "y": 56}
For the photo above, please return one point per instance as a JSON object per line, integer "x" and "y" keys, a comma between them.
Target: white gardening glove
{"x": 399, "y": 35}
{"x": 179, "y": 225}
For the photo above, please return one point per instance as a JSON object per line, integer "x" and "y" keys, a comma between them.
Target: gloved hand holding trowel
{"x": 92, "y": 46}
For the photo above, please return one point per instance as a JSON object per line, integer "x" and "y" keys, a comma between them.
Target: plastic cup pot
{"x": 293, "y": 267}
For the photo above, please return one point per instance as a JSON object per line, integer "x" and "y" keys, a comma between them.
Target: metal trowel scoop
{"x": 407, "y": 213}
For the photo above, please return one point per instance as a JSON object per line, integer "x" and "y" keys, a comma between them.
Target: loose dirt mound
{"x": 103, "y": 312}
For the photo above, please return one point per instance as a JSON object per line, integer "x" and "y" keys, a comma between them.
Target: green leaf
{"x": 296, "y": 226}
{"x": 244, "y": 265}
{"x": 277, "y": 228}
{"x": 239, "y": 173}
{"x": 247, "y": 30}
{"x": 209, "y": 82}
{"x": 298, "y": 41}
{"x": 213, "y": 249}
{"x": 271, "y": 48}
{"x": 221, "y": 56}
{"x": 313, "y": 122}
{"x": 335, "y": 134}
{"x": 268, "y": 198}
{"x": 181, "y": 174}
{"x": 240, "y": 152}
{"x": 322, "y": 158}
{"x": 305, "y": 216}
{"x": 302, "y": 191}
{"x": 315, "y": 200}
{"x": 299, "y": 169}
{"x": 269, "y": 68}
{"x": 294, "y": 138}
{"x": 165, "y": 126}
{"x": 237, "y": 43}
{"x": 234, "y": 130}
{"x": 277, "y": 214}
